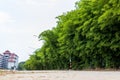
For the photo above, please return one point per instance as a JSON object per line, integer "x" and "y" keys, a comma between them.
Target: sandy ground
{"x": 62, "y": 75}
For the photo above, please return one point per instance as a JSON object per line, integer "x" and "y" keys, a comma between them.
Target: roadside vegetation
{"x": 21, "y": 66}
{"x": 85, "y": 38}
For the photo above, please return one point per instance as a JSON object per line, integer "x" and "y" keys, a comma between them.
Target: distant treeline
{"x": 87, "y": 37}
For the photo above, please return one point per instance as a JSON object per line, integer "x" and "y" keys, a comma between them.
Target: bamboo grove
{"x": 87, "y": 37}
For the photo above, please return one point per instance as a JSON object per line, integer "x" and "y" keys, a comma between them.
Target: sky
{"x": 21, "y": 21}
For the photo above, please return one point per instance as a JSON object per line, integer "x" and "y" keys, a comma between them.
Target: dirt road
{"x": 62, "y": 75}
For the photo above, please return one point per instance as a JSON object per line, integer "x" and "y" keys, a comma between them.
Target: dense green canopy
{"x": 87, "y": 37}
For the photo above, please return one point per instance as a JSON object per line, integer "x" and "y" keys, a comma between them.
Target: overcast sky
{"x": 20, "y": 20}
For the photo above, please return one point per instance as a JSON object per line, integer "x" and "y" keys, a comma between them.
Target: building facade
{"x": 1, "y": 61}
{"x": 9, "y": 60}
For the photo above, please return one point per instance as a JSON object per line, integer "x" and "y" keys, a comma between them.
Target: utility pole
{"x": 70, "y": 64}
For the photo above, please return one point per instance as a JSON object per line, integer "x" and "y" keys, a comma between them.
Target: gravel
{"x": 62, "y": 75}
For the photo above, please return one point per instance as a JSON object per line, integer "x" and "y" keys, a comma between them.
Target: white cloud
{"x": 30, "y": 2}
{"x": 5, "y": 17}
{"x": 37, "y": 2}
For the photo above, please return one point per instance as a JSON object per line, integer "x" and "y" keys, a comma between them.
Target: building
{"x": 1, "y": 61}
{"x": 13, "y": 61}
{"x": 9, "y": 60}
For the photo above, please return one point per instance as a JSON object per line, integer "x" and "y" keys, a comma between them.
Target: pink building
{"x": 10, "y": 60}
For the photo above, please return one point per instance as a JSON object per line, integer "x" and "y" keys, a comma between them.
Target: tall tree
{"x": 87, "y": 37}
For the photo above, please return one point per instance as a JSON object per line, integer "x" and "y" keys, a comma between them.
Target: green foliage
{"x": 89, "y": 36}
{"x": 21, "y": 66}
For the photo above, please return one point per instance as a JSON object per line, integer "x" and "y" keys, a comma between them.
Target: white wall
{"x": 10, "y": 65}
